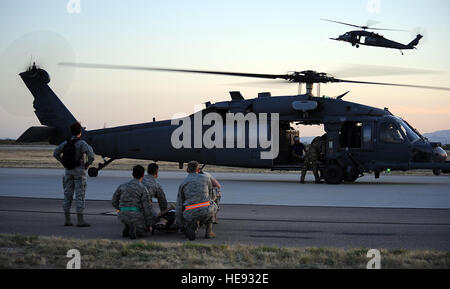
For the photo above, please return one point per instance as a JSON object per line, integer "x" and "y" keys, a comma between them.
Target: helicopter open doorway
{"x": 288, "y": 132}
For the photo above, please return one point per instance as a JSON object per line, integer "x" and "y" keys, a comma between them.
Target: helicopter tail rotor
{"x": 422, "y": 32}
{"x": 413, "y": 43}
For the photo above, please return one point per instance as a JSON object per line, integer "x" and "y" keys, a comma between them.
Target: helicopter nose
{"x": 439, "y": 154}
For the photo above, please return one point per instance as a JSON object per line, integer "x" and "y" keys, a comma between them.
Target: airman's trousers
{"x": 74, "y": 184}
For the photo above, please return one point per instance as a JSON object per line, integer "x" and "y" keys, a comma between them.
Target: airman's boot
{"x": 209, "y": 232}
{"x": 67, "y": 222}
{"x": 317, "y": 178}
{"x": 126, "y": 231}
{"x": 191, "y": 230}
{"x": 302, "y": 177}
{"x": 81, "y": 222}
{"x": 133, "y": 233}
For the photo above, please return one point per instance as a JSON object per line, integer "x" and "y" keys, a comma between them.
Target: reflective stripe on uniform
{"x": 124, "y": 209}
{"x": 199, "y": 205}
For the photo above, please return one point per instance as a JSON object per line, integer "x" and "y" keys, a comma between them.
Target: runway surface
{"x": 288, "y": 226}
{"x": 274, "y": 209}
{"x": 258, "y": 189}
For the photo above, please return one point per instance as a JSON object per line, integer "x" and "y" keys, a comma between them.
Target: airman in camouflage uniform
{"x": 135, "y": 209}
{"x": 194, "y": 205}
{"x": 312, "y": 158}
{"x": 74, "y": 180}
{"x": 215, "y": 194}
{"x": 155, "y": 190}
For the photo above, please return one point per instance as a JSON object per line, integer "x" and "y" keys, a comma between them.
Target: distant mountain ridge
{"x": 442, "y": 136}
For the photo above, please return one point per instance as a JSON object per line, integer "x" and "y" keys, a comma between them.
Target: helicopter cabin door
{"x": 357, "y": 138}
{"x": 392, "y": 146}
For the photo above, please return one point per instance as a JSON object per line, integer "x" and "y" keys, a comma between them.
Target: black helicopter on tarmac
{"x": 359, "y": 138}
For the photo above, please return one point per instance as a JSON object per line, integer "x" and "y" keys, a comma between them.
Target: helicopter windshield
{"x": 408, "y": 131}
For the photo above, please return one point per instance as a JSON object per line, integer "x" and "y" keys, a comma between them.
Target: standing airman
{"x": 70, "y": 154}
{"x": 312, "y": 159}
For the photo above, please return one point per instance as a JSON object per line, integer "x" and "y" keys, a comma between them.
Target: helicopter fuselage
{"x": 360, "y": 138}
{"x": 363, "y": 37}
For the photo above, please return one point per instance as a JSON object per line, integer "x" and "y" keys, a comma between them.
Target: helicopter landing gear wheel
{"x": 437, "y": 172}
{"x": 357, "y": 45}
{"x": 93, "y": 172}
{"x": 333, "y": 174}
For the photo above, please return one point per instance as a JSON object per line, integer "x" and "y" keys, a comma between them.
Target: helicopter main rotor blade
{"x": 348, "y": 24}
{"x": 361, "y": 70}
{"x": 128, "y": 67}
{"x": 394, "y": 84}
{"x": 366, "y": 27}
{"x": 308, "y": 76}
{"x": 386, "y": 29}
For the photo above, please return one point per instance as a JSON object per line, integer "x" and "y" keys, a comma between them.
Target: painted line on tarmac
{"x": 108, "y": 214}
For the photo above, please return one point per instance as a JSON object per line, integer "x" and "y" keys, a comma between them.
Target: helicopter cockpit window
{"x": 390, "y": 133}
{"x": 412, "y": 136}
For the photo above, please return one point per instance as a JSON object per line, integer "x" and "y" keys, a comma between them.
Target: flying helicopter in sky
{"x": 359, "y": 138}
{"x": 364, "y": 37}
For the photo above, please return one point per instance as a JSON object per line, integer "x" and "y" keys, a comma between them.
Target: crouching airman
{"x": 194, "y": 204}
{"x": 135, "y": 209}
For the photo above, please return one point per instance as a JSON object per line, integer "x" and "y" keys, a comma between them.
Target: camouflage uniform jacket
{"x": 195, "y": 189}
{"x": 214, "y": 193}
{"x": 133, "y": 194}
{"x": 316, "y": 149}
{"x": 81, "y": 147}
{"x": 155, "y": 191}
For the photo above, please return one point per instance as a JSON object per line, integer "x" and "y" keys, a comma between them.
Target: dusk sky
{"x": 247, "y": 36}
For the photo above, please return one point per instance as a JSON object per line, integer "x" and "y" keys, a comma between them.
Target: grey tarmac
{"x": 288, "y": 226}
{"x": 389, "y": 191}
{"x": 273, "y": 209}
